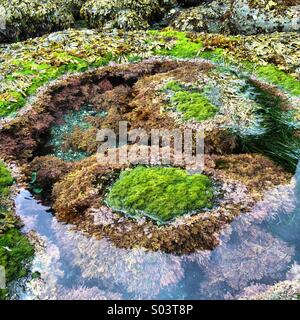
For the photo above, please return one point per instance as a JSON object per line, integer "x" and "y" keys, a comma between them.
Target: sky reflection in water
{"x": 259, "y": 247}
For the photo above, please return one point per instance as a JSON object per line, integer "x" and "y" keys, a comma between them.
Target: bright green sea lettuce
{"x": 160, "y": 193}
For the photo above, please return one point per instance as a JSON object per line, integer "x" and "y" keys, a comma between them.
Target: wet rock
{"x": 124, "y": 14}
{"x": 240, "y": 17}
{"x": 192, "y": 3}
{"x": 23, "y": 19}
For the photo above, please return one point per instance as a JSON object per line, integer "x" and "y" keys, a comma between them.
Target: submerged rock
{"x": 79, "y": 199}
{"x": 141, "y": 94}
{"x": 284, "y": 290}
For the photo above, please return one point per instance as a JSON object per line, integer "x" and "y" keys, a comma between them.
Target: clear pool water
{"x": 261, "y": 248}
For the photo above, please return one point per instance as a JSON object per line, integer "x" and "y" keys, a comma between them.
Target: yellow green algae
{"x": 6, "y": 180}
{"x": 24, "y": 75}
{"x": 193, "y": 105}
{"x": 160, "y": 193}
{"x": 15, "y": 249}
{"x": 184, "y": 46}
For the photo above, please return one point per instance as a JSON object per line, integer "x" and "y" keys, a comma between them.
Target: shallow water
{"x": 259, "y": 247}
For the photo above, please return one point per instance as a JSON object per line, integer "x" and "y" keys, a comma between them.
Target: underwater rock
{"x": 285, "y": 290}
{"x": 267, "y": 255}
{"x": 68, "y": 260}
{"x": 239, "y": 17}
{"x": 243, "y": 266}
{"x": 83, "y": 293}
{"x": 136, "y": 269}
{"x": 255, "y": 251}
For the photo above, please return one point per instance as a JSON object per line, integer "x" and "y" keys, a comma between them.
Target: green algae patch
{"x": 279, "y": 78}
{"x": 183, "y": 47}
{"x": 6, "y": 180}
{"x": 193, "y": 104}
{"x": 11, "y": 103}
{"x": 160, "y": 193}
{"x": 39, "y": 75}
{"x": 16, "y": 253}
{"x": 15, "y": 249}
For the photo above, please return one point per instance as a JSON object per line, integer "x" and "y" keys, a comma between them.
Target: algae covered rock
{"x": 160, "y": 92}
{"x": 240, "y": 17}
{"x": 160, "y": 193}
{"x": 284, "y": 290}
{"x": 6, "y": 180}
{"x": 29, "y": 65}
{"x": 124, "y": 14}
{"x": 23, "y": 19}
{"x": 16, "y": 252}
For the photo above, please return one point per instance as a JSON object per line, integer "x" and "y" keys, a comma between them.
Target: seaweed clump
{"x": 15, "y": 254}
{"x": 160, "y": 193}
{"x": 6, "y": 180}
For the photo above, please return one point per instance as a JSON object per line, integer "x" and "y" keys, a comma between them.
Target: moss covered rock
{"x": 160, "y": 193}
{"x": 241, "y": 181}
{"x": 15, "y": 250}
{"x": 193, "y": 104}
